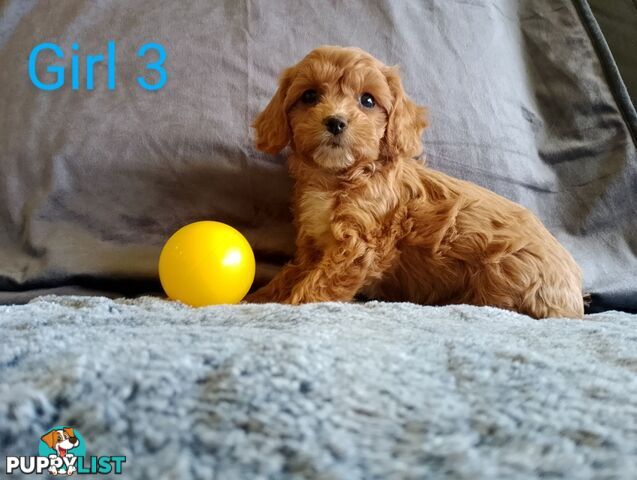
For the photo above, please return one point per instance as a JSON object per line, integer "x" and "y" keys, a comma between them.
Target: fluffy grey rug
{"x": 322, "y": 391}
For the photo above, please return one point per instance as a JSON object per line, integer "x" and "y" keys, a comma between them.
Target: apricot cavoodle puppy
{"x": 372, "y": 220}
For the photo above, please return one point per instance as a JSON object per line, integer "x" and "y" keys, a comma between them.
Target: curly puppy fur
{"x": 372, "y": 220}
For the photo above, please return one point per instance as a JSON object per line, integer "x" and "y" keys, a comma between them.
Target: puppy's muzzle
{"x": 335, "y": 125}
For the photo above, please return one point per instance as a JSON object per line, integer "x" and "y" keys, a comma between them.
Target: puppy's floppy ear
{"x": 406, "y": 120}
{"x": 50, "y": 438}
{"x": 271, "y": 125}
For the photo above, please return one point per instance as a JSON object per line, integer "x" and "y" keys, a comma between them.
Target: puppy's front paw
{"x": 258, "y": 297}
{"x": 300, "y": 297}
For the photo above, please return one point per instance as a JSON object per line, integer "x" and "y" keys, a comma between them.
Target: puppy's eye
{"x": 309, "y": 97}
{"x": 367, "y": 100}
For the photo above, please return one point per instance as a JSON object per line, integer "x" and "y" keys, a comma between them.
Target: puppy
{"x": 372, "y": 220}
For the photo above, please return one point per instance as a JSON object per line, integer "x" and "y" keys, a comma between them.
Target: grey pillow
{"x": 93, "y": 182}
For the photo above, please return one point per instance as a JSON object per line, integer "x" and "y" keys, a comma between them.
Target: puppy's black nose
{"x": 335, "y": 125}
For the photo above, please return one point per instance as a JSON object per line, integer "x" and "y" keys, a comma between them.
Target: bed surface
{"x": 342, "y": 391}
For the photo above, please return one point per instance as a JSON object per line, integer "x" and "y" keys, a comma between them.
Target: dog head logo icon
{"x": 61, "y": 440}
{"x": 65, "y": 444}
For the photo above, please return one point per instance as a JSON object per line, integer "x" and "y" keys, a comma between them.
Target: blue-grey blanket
{"x": 327, "y": 391}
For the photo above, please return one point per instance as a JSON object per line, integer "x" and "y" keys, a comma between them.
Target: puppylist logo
{"x": 62, "y": 451}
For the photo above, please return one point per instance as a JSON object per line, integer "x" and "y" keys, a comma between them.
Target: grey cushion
{"x": 93, "y": 182}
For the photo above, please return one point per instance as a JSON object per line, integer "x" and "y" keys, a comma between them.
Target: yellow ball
{"x": 206, "y": 263}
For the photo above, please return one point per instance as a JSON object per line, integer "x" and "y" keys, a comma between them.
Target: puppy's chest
{"x": 314, "y": 215}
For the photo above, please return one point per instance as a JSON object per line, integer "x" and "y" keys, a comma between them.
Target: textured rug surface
{"x": 322, "y": 391}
